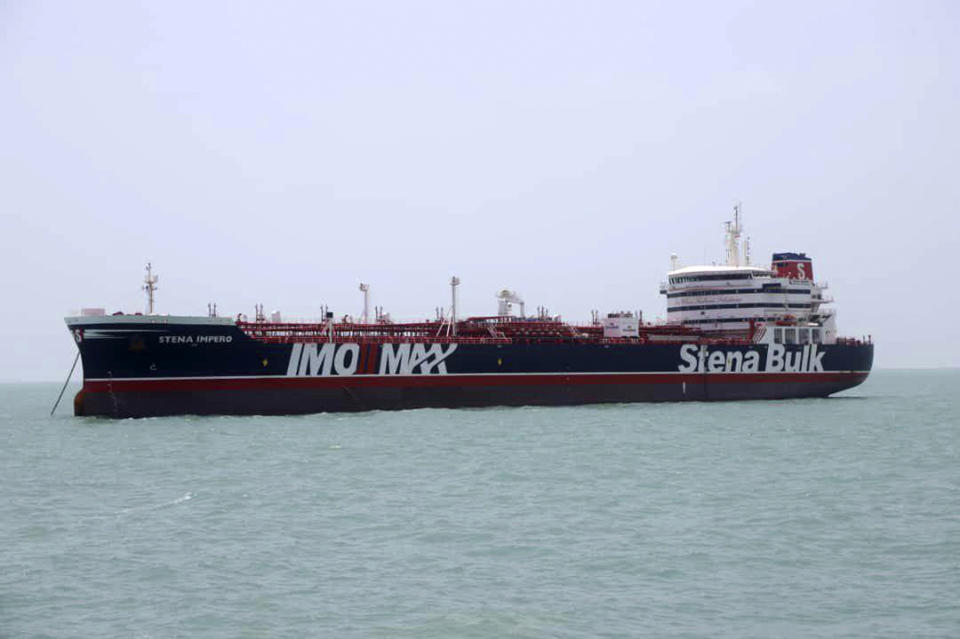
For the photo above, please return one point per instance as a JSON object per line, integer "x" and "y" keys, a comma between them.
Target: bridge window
{"x": 789, "y": 336}
{"x": 804, "y": 334}
{"x": 778, "y": 335}
{"x": 815, "y": 336}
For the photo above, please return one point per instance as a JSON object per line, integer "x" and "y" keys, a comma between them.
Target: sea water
{"x": 811, "y": 518}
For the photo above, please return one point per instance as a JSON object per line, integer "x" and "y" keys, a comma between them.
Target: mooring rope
{"x": 60, "y": 396}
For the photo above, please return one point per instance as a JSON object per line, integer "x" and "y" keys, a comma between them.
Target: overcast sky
{"x": 283, "y": 152}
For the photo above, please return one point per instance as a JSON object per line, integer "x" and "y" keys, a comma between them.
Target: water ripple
{"x": 752, "y": 519}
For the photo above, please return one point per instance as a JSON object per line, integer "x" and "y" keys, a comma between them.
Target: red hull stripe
{"x": 440, "y": 381}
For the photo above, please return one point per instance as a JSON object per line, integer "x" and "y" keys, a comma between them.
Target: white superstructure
{"x": 737, "y": 298}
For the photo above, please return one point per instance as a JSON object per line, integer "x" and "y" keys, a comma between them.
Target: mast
{"x": 734, "y": 231}
{"x": 150, "y": 285}
{"x": 454, "y": 283}
{"x": 365, "y": 289}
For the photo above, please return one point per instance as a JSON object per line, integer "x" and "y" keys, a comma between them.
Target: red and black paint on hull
{"x": 163, "y": 366}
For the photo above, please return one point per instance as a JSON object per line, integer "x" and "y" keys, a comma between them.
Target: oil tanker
{"x": 733, "y": 331}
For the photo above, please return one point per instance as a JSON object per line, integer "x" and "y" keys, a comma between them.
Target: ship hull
{"x": 147, "y": 367}
{"x": 256, "y": 397}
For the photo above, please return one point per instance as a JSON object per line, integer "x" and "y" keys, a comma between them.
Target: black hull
{"x": 360, "y": 397}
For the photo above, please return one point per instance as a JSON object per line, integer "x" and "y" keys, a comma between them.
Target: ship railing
{"x": 294, "y": 338}
{"x": 555, "y": 339}
{"x": 532, "y": 332}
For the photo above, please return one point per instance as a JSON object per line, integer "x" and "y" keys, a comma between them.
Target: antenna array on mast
{"x": 150, "y": 286}
{"x": 734, "y": 247}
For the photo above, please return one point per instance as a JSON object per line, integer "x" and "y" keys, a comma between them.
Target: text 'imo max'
{"x": 343, "y": 359}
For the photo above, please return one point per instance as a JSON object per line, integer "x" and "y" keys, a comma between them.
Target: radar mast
{"x": 150, "y": 286}
{"x": 734, "y": 231}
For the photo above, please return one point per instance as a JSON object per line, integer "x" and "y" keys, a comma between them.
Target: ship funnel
{"x": 794, "y": 266}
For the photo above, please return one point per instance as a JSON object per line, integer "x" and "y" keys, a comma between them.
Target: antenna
{"x": 454, "y": 283}
{"x": 734, "y": 229}
{"x": 365, "y": 288}
{"x": 150, "y": 285}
